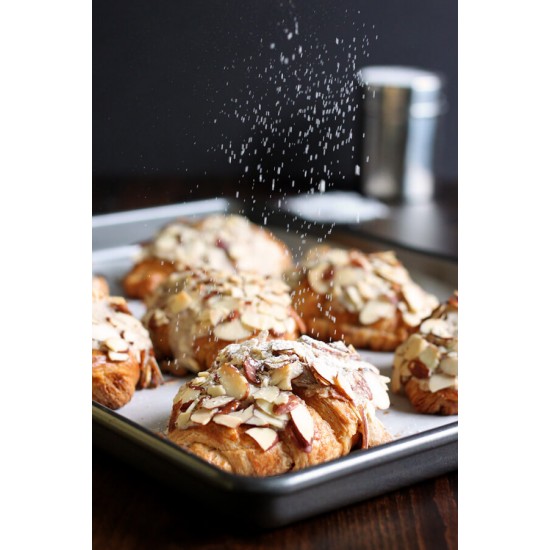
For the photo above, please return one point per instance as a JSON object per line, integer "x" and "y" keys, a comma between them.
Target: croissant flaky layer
{"x": 269, "y": 407}
{"x": 223, "y": 242}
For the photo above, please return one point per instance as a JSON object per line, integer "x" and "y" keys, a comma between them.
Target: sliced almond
{"x": 133, "y": 337}
{"x": 277, "y": 421}
{"x": 283, "y": 376}
{"x": 235, "y": 418}
{"x": 414, "y": 346}
{"x": 186, "y": 394}
{"x": 437, "y": 327}
{"x": 178, "y": 302}
{"x": 344, "y": 276}
{"x": 429, "y": 356}
{"x": 257, "y": 321}
{"x": 214, "y": 402}
{"x": 378, "y": 387}
{"x": 316, "y": 278}
{"x": 414, "y": 296}
{"x": 233, "y": 381}
{"x": 116, "y": 344}
{"x": 232, "y": 331}
{"x": 250, "y": 367}
{"x": 229, "y": 420}
{"x": 216, "y": 391}
{"x": 354, "y": 297}
{"x": 183, "y": 418}
{"x": 376, "y": 310}
{"x": 394, "y": 274}
{"x": 202, "y": 416}
{"x": 269, "y": 393}
{"x": 337, "y": 256}
{"x": 411, "y": 319}
{"x": 198, "y": 381}
{"x": 117, "y": 356}
{"x": 440, "y": 381}
{"x": 256, "y": 421}
{"x": 281, "y": 399}
{"x": 449, "y": 364}
{"x": 217, "y": 314}
{"x": 325, "y": 370}
{"x": 103, "y": 332}
{"x": 264, "y": 437}
{"x": 367, "y": 291}
{"x": 303, "y": 423}
{"x": 291, "y": 402}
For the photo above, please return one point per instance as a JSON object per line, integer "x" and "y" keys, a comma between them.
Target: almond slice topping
{"x": 269, "y": 393}
{"x": 178, "y": 302}
{"x": 186, "y": 394}
{"x": 414, "y": 346}
{"x": 449, "y": 364}
{"x": 103, "y": 332}
{"x": 257, "y": 321}
{"x": 117, "y": 356}
{"x": 233, "y": 381}
{"x": 202, "y": 416}
{"x": 214, "y": 402}
{"x": 316, "y": 280}
{"x": 228, "y": 420}
{"x": 232, "y": 331}
{"x": 376, "y": 310}
{"x": 437, "y": 327}
{"x": 116, "y": 344}
{"x": 440, "y": 381}
{"x": 305, "y": 428}
{"x": 216, "y": 391}
{"x": 264, "y": 437}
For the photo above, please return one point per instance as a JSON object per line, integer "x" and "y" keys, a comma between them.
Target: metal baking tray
{"x": 425, "y": 446}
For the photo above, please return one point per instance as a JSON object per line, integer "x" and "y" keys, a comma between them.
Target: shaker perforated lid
{"x": 419, "y": 90}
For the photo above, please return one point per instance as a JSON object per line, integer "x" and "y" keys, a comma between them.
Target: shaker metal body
{"x": 401, "y": 111}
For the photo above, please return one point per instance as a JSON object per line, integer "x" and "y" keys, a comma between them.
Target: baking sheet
{"x": 424, "y": 445}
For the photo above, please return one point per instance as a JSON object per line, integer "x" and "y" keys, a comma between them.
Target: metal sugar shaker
{"x": 401, "y": 109}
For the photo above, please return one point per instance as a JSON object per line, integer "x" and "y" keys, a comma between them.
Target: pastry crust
{"x": 366, "y": 300}
{"x": 122, "y": 353}
{"x": 443, "y": 402}
{"x": 247, "y": 416}
{"x": 425, "y": 366}
{"x": 195, "y": 313}
{"x": 222, "y": 242}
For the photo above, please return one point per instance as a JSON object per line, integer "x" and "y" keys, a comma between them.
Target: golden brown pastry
{"x": 223, "y": 242}
{"x": 425, "y": 367}
{"x": 122, "y": 353}
{"x": 367, "y": 300}
{"x": 196, "y": 312}
{"x": 266, "y": 407}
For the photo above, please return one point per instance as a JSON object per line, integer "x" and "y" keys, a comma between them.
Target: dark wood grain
{"x": 132, "y": 511}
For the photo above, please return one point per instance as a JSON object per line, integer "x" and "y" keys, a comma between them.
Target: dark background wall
{"x": 171, "y": 82}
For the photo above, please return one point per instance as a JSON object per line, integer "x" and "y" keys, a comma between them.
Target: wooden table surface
{"x": 134, "y": 511}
